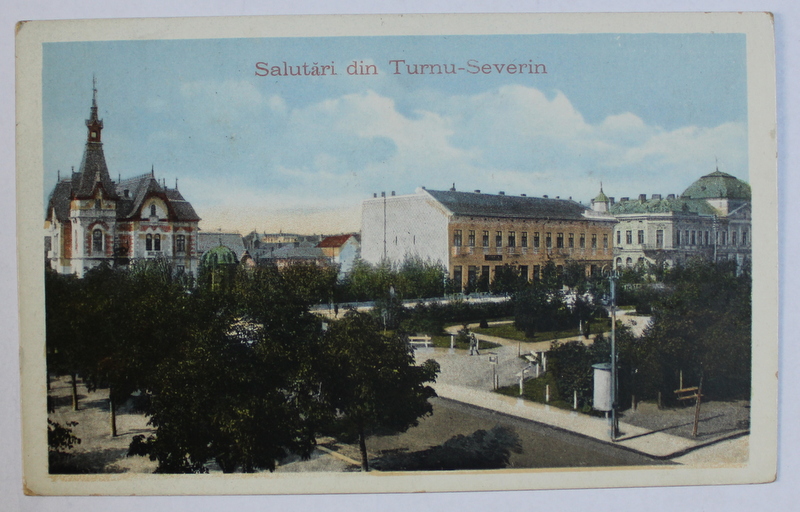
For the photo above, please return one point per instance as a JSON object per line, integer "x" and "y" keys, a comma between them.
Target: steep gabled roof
{"x": 335, "y": 240}
{"x": 94, "y": 171}
{"x": 140, "y": 188}
{"x": 488, "y": 205}
{"x": 59, "y": 201}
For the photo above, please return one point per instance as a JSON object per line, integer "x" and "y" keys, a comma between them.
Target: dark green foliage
{"x": 571, "y": 365}
{"x": 60, "y": 440}
{"x": 703, "y": 327}
{"x": 412, "y": 279}
{"x": 370, "y": 380}
{"x": 538, "y": 310}
{"x": 507, "y": 280}
{"x": 311, "y": 283}
{"x": 424, "y": 319}
{"x": 479, "y": 450}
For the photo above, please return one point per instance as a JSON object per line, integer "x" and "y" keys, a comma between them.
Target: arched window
{"x": 619, "y": 262}
{"x": 148, "y": 242}
{"x": 97, "y": 241}
{"x": 152, "y": 210}
{"x": 629, "y": 262}
{"x": 157, "y": 243}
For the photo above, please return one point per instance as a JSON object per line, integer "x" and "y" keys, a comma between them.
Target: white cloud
{"x": 270, "y": 156}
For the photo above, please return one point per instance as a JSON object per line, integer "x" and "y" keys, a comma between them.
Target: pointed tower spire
{"x": 94, "y": 124}
{"x": 93, "y": 169}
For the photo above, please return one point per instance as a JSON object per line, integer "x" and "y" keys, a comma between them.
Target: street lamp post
{"x": 613, "y": 425}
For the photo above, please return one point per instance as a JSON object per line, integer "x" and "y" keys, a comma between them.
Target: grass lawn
{"x": 534, "y": 390}
{"x": 508, "y": 331}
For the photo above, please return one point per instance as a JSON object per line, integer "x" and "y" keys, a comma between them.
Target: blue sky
{"x": 641, "y": 113}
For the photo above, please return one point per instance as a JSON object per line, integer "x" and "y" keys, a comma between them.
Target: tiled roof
{"x": 488, "y": 205}
{"x": 59, "y": 200}
{"x": 93, "y": 169}
{"x": 209, "y": 240}
{"x": 295, "y": 253}
{"x": 334, "y": 241}
{"x": 677, "y": 205}
{"x": 140, "y": 188}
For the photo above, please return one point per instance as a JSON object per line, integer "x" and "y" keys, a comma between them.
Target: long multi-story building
{"x": 710, "y": 220}
{"x": 91, "y": 219}
{"x": 473, "y": 233}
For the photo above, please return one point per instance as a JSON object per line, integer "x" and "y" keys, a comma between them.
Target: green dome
{"x": 219, "y": 255}
{"x": 718, "y": 185}
{"x": 601, "y": 197}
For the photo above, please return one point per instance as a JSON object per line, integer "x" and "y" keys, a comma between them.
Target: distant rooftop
{"x": 489, "y": 205}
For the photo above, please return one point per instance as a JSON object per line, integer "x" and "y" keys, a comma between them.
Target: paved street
{"x": 658, "y": 433}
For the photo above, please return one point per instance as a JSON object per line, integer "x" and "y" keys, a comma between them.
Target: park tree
{"x": 138, "y": 316}
{"x": 702, "y": 327}
{"x": 574, "y": 276}
{"x": 507, "y": 280}
{"x": 537, "y": 310}
{"x": 418, "y": 278}
{"x": 66, "y": 317}
{"x": 550, "y": 278}
{"x": 371, "y": 381}
{"x": 571, "y": 364}
{"x": 243, "y": 390}
{"x": 311, "y": 283}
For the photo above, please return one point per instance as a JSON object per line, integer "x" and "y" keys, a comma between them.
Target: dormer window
{"x": 152, "y": 210}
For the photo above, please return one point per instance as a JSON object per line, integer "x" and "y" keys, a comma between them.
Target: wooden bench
{"x": 424, "y": 341}
{"x": 687, "y": 393}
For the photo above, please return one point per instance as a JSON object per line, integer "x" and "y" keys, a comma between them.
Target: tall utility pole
{"x": 383, "y": 195}
{"x": 613, "y": 425}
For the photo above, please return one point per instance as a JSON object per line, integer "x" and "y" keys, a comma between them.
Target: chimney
{"x": 642, "y": 197}
{"x": 523, "y": 195}
{"x": 383, "y": 194}
{"x": 374, "y": 194}
{"x": 623, "y": 199}
{"x": 558, "y": 197}
{"x": 656, "y": 196}
{"x": 502, "y": 193}
{"x": 611, "y": 200}
{"x": 392, "y": 192}
{"x": 671, "y": 196}
{"x": 477, "y": 191}
{"x": 545, "y": 196}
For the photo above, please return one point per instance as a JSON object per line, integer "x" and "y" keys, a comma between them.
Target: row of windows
{"x": 151, "y": 242}
{"x": 511, "y": 239}
{"x": 690, "y": 237}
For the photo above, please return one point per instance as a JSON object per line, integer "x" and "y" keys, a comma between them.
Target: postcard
{"x": 417, "y": 253}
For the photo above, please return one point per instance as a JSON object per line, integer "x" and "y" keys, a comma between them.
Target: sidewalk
{"x": 653, "y": 443}
{"x": 468, "y": 379}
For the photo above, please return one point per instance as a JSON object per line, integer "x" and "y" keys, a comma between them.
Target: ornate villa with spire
{"x": 91, "y": 219}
